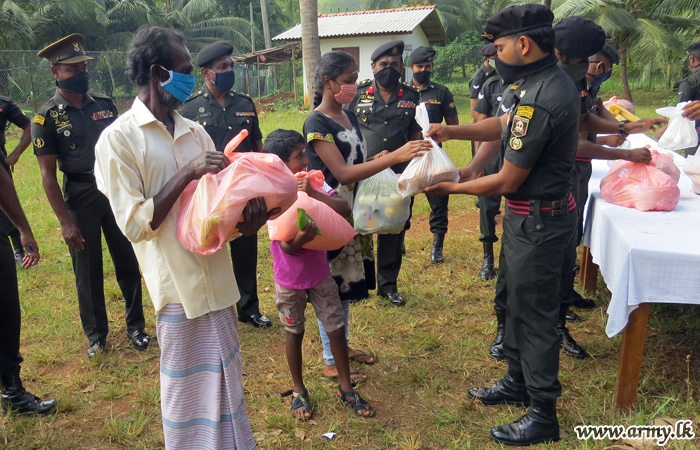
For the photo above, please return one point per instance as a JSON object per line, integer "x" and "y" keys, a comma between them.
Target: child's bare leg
{"x": 339, "y": 347}
{"x": 294, "y": 360}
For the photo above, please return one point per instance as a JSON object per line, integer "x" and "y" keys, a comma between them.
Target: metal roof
{"x": 373, "y": 23}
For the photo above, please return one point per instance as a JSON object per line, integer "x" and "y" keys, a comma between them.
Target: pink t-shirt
{"x": 303, "y": 269}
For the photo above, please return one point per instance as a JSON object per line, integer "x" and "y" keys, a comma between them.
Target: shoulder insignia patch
{"x": 513, "y": 87}
{"x": 364, "y": 82}
{"x": 525, "y": 111}
{"x": 519, "y": 127}
{"x": 39, "y": 119}
{"x": 319, "y": 137}
{"x": 452, "y": 105}
{"x": 39, "y": 142}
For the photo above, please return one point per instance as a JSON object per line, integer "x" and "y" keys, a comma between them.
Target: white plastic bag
{"x": 680, "y": 132}
{"x": 627, "y": 145}
{"x": 428, "y": 169}
{"x": 379, "y": 208}
{"x": 692, "y": 169}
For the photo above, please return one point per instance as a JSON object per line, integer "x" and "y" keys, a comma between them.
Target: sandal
{"x": 299, "y": 401}
{"x": 362, "y": 357}
{"x": 358, "y": 404}
{"x": 355, "y": 377}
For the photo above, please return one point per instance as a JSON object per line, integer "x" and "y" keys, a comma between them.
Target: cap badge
{"x": 76, "y": 47}
{"x": 487, "y": 35}
{"x": 394, "y": 51}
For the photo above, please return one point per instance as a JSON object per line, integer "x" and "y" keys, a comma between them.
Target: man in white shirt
{"x": 144, "y": 162}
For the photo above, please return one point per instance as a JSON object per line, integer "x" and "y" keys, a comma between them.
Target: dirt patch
{"x": 267, "y": 104}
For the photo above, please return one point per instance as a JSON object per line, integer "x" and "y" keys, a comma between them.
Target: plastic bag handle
{"x": 315, "y": 177}
{"x": 235, "y": 142}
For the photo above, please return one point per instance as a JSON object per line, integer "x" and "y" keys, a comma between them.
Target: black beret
{"x": 488, "y": 50}
{"x": 578, "y": 37}
{"x": 212, "y": 51}
{"x": 391, "y": 48}
{"x": 517, "y": 19}
{"x": 609, "y": 52}
{"x": 694, "y": 47}
{"x": 422, "y": 54}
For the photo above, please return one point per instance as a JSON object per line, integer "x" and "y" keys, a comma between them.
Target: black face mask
{"x": 513, "y": 72}
{"x": 78, "y": 83}
{"x": 422, "y": 77}
{"x": 387, "y": 77}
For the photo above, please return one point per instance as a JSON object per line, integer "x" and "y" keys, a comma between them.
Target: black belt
{"x": 80, "y": 177}
{"x": 551, "y": 208}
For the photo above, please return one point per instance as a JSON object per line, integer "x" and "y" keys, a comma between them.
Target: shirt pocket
{"x": 363, "y": 112}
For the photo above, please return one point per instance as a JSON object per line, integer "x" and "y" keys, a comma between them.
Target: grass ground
{"x": 429, "y": 353}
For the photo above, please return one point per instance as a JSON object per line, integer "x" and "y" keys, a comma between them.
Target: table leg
{"x": 589, "y": 270}
{"x": 631, "y": 354}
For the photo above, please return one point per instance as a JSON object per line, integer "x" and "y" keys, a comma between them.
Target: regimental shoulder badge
{"x": 320, "y": 137}
{"x": 452, "y": 105}
{"x": 406, "y": 104}
{"x": 481, "y": 95}
{"x": 245, "y": 113}
{"x": 39, "y": 119}
{"x": 525, "y": 111}
{"x": 519, "y": 127}
{"x": 39, "y": 142}
{"x": 101, "y": 115}
{"x": 515, "y": 143}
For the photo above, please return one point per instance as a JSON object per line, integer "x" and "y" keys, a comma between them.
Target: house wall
{"x": 368, "y": 44}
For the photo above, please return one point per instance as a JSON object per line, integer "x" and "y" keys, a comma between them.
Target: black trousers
{"x": 488, "y": 208}
{"x": 6, "y": 227}
{"x": 90, "y": 211}
{"x": 10, "y": 314}
{"x": 244, "y": 255}
{"x": 531, "y": 267}
{"x": 438, "y": 212}
{"x": 389, "y": 258}
{"x": 567, "y": 293}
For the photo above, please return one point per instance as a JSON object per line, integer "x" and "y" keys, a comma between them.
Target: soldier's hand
{"x": 439, "y": 132}
{"x": 379, "y": 155}
{"x": 639, "y": 155}
{"x": 692, "y": 110}
{"x": 255, "y": 214}
{"x": 443, "y": 188}
{"x": 73, "y": 236}
{"x": 12, "y": 159}
{"x": 31, "y": 249}
{"x": 207, "y": 162}
{"x": 411, "y": 149}
{"x": 467, "y": 174}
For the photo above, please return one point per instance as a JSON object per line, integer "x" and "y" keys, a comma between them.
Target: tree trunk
{"x": 547, "y": 3}
{"x": 311, "y": 46}
{"x": 265, "y": 24}
{"x": 623, "y": 74}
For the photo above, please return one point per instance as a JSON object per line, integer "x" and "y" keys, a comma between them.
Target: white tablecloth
{"x": 644, "y": 257}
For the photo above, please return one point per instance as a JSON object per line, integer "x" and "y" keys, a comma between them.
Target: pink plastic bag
{"x": 336, "y": 231}
{"x": 211, "y": 207}
{"x": 640, "y": 186}
{"x": 664, "y": 162}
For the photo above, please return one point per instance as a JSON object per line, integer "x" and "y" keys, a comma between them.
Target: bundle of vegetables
{"x": 379, "y": 208}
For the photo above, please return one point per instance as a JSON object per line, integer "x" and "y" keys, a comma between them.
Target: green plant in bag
{"x": 303, "y": 220}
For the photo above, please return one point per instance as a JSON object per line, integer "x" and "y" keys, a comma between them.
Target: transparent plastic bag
{"x": 428, "y": 169}
{"x": 640, "y": 186}
{"x": 680, "y": 132}
{"x": 664, "y": 162}
{"x": 379, "y": 208}
{"x": 692, "y": 169}
{"x": 211, "y": 207}
{"x": 335, "y": 230}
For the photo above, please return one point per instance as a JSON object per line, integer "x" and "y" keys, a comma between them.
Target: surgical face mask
{"x": 422, "y": 77}
{"x": 346, "y": 94}
{"x": 224, "y": 80}
{"x": 575, "y": 71}
{"x": 179, "y": 85}
{"x": 387, "y": 77}
{"x": 78, "y": 83}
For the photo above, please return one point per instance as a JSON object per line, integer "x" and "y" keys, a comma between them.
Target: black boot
{"x": 19, "y": 401}
{"x": 568, "y": 343}
{"x": 509, "y": 390}
{"x": 487, "y": 271}
{"x": 538, "y": 425}
{"x": 436, "y": 253}
{"x": 496, "y": 349}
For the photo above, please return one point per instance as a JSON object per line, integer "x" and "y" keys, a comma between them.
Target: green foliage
{"x": 459, "y": 53}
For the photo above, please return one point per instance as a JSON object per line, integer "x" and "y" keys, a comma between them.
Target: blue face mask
{"x": 179, "y": 85}
{"x": 598, "y": 80}
{"x": 224, "y": 80}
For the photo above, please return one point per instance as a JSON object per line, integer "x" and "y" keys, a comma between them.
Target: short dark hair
{"x": 695, "y": 54}
{"x": 543, "y": 37}
{"x": 150, "y": 45}
{"x": 282, "y": 142}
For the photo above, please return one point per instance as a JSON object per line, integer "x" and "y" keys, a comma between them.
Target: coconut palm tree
{"x": 649, "y": 31}
{"x": 310, "y": 44}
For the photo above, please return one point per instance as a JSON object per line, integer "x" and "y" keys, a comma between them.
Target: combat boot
{"x": 496, "y": 349}
{"x": 509, "y": 390}
{"x": 538, "y": 425}
{"x": 568, "y": 343}
{"x": 436, "y": 252}
{"x": 487, "y": 270}
{"x": 16, "y": 399}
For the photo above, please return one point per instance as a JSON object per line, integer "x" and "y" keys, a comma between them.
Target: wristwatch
{"x": 621, "y": 128}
